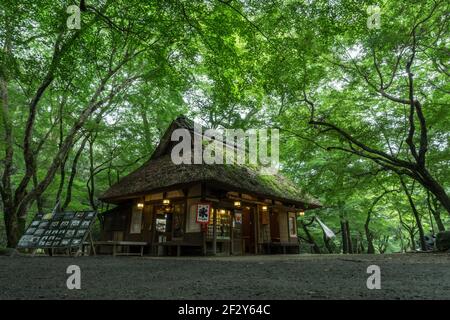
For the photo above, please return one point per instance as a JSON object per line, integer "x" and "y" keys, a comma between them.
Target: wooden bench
{"x": 178, "y": 245}
{"x": 126, "y": 244}
{"x": 282, "y": 245}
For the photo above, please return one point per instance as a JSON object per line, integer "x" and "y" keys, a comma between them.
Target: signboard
{"x": 203, "y": 212}
{"x": 59, "y": 230}
{"x": 238, "y": 217}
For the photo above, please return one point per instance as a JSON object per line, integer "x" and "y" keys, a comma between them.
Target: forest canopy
{"x": 362, "y": 104}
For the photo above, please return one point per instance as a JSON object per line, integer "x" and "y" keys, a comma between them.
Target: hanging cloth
{"x": 328, "y": 233}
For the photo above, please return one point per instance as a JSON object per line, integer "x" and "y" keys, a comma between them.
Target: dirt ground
{"x": 407, "y": 276}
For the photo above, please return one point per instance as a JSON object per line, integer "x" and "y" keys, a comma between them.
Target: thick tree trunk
{"x": 438, "y": 220}
{"x": 15, "y": 226}
{"x": 11, "y": 225}
{"x": 436, "y": 188}
{"x": 416, "y": 171}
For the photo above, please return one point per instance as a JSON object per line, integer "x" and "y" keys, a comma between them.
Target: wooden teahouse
{"x": 156, "y": 207}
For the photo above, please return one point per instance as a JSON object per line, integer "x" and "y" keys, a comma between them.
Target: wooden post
{"x": 153, "y": 249}
{"x": 289, "y": 230}
{"x": 204, "y": 242}
{"x": 187, "y": 210}
{"x": 256, "y": 222}
{"x": 92, "y": 243}
{"x": 231, "y": 233}
{"x": 214, "y": 243}
{"x": 204, "y": 227}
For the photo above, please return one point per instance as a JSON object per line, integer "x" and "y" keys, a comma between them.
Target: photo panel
{"x": 65, "y": 229}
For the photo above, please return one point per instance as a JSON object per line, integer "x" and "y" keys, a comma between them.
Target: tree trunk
{"x": 438, "y": 220}
{"x": 416, "y": 214}
{"x": 315, "y": 247}
{"x": 370, "y": 246}
{"x": 349, "y": 238}
{"x": 413, "y": 241}
{"x": 62, "y": 177}
{"x": 11, "y": 225}
{"x": 433, "y": 206}
{"x": 416, "y": 171}
{"x": 383, "y": 244}
{"x": 91, "y": 181}
{"x": 344, "y": 237}
{"x": 326, "y": 242}
{"x": 73, "y": 173}
{"x": 361, "y": 245}
{"x": 39, "y": 202}
{"x": 369, "y": 235}
{"x": 435, "y": 188}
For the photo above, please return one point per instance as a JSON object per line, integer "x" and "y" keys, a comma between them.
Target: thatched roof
{"x": 160, "y": 173}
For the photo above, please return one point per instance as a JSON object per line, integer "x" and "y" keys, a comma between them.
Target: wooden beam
{"x": 247, "y": 200}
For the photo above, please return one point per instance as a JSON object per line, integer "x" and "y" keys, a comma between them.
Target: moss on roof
{"x": 161, "y": 173}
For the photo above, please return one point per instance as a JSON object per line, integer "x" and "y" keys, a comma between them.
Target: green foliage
{"x": 239, "y": 64}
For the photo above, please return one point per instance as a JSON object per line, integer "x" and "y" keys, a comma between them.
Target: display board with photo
{"x": 59, "y": 230}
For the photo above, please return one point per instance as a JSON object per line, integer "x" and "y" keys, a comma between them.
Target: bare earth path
{"x": 409, "y": 276}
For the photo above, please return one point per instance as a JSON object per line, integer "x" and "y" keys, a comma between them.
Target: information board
{"x": 59, "y": 230}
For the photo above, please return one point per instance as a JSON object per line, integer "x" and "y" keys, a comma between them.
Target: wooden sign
{"x": 203, "y": 212}
{"x": 59, "y": 230}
